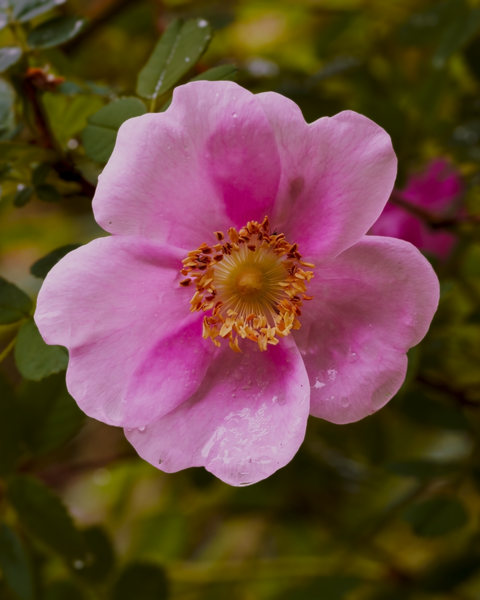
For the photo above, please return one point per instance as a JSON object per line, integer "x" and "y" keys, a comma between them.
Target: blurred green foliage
{"x": 382, "y": 509}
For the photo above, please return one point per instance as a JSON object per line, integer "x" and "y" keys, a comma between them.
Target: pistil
{"x": 254, "y": 283}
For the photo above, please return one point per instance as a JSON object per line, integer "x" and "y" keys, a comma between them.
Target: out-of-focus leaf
{"x": 63, "y": 421}
{"x": 3, "y": 19}
{"x": 15, "y": 151}
{"x": 14, "y": 564}
{"x": 48, "y": 193}
{"x": 431, "y": 413}
{"x": 435, "y": 517}
{"x": 35, "y": 359}
{"x": 459, "y": 31}
{"x": 54, "y": 32}
{"x": 422, "y": 469}
{"x": 23, "y": 195}
{"x": 45, "y": 516}
{"x": 7, "y": 117}
{"x": 14, "y": 303}
{"x": 101, "y": 133}
{"x": 41, "y": 267}
{"x": 100, "y": 555}
{"x": 179, "y": 48}
{"x": 11, "y": 434}
{"x": 63, "y": 590}
{"x": 138, "y": 580}
{"x": 448, "y": 574}
{"x": 9, "y": 56}
{"x": 333, "y": 587}
{"x": 426, "y": 27}
{"x": 24, "y": 10}
{"x": 39, "y": 174}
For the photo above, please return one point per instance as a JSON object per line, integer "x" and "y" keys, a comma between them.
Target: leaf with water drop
{"x": 9, "y": 56}
{"x": 55, "y": 32}
{"x": 180, "y": 47}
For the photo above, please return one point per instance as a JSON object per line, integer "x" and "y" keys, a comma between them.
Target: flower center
{"x": 253, "y": 284}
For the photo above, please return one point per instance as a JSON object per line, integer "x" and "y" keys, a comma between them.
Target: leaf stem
{"x": 6, "y": 351}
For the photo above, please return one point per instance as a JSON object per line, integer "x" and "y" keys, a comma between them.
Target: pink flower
{"x": 434, "y": 190}
{"x": 158, "y": 354}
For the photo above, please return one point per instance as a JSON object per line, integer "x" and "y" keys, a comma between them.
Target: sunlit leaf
{"x": 35, "y": 359}
{"x": 14, "y": 303}
{"x": 9, "y": 56}
{"x": 101, "y": 133}
{"x": 178, "y": 50}
{"x": 435, "y": 517}
{"x": 24, "y": 10}
{"x": 41, "y": 267}
{"x": 55, "y": 32}
{"x": 14, "y": 564}
{"x": 45, "y": 516}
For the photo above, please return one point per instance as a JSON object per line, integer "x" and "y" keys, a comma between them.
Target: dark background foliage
{"x": 382, "y": 509}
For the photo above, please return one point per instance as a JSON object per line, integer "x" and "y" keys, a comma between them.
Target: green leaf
{"x": 7, "y": 117}
{"x": 9, "y": 56}
{"x": 35, "y": 359}
{"x": 39, "y": 174}
{"x": 138, "y": 580}
{"x": 14, "y": 303}
{"x": 460, "y": 30}
{"x": 68, "y": 116}
{"x": 24, "y": 10}
{"x": 48, "y": 193}
{"x": 45, "y": 516}
{"x": 41, "y": 267}
{"x": 435, "y": 517}
{"x": 101, "y": 133}
{"x": 222, "y": 73}
{"x": 180, "y": 47}
{"x": 14, "y": 564}
{"x": 422, "y": 469}
{"x": 61, "y": 590}
{"x": 23, "y": 195}
{"x": 100, "y": 555}
{"x": 11, "y": 432}
{"x": 55, "y": 32}
{"x": 63, "y": 420}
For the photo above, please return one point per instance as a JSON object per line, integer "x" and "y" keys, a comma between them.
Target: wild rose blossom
{"x": 435, "y": 189}
{"x": 282, "y": 306}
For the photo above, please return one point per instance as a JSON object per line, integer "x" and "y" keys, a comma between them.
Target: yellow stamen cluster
{"x": 254, "y": 284}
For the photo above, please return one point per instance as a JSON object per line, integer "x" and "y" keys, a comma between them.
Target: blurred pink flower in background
{"x": 435, "y": 190}
{"x": 219, "y": 183}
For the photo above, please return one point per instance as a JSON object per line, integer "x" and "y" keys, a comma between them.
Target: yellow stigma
{"x": 253, "y": 284}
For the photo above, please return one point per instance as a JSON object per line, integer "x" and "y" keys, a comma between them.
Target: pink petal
{"x": 136, "y": 352}
{"x": 397, "y": 222}
{"x": 372, "y": 303}
{"x": 208, "y": 163}
{"x": 246, "y": 420}
{"x": 436, "y": 188}
{"x": 337, "y": 175}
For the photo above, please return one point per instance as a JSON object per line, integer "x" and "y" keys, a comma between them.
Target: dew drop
{"x": 141, "y": 429}
{"x": 78, "y": 564}
{"x": 187, "y": 59}
{"x": 202, "y": 23}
